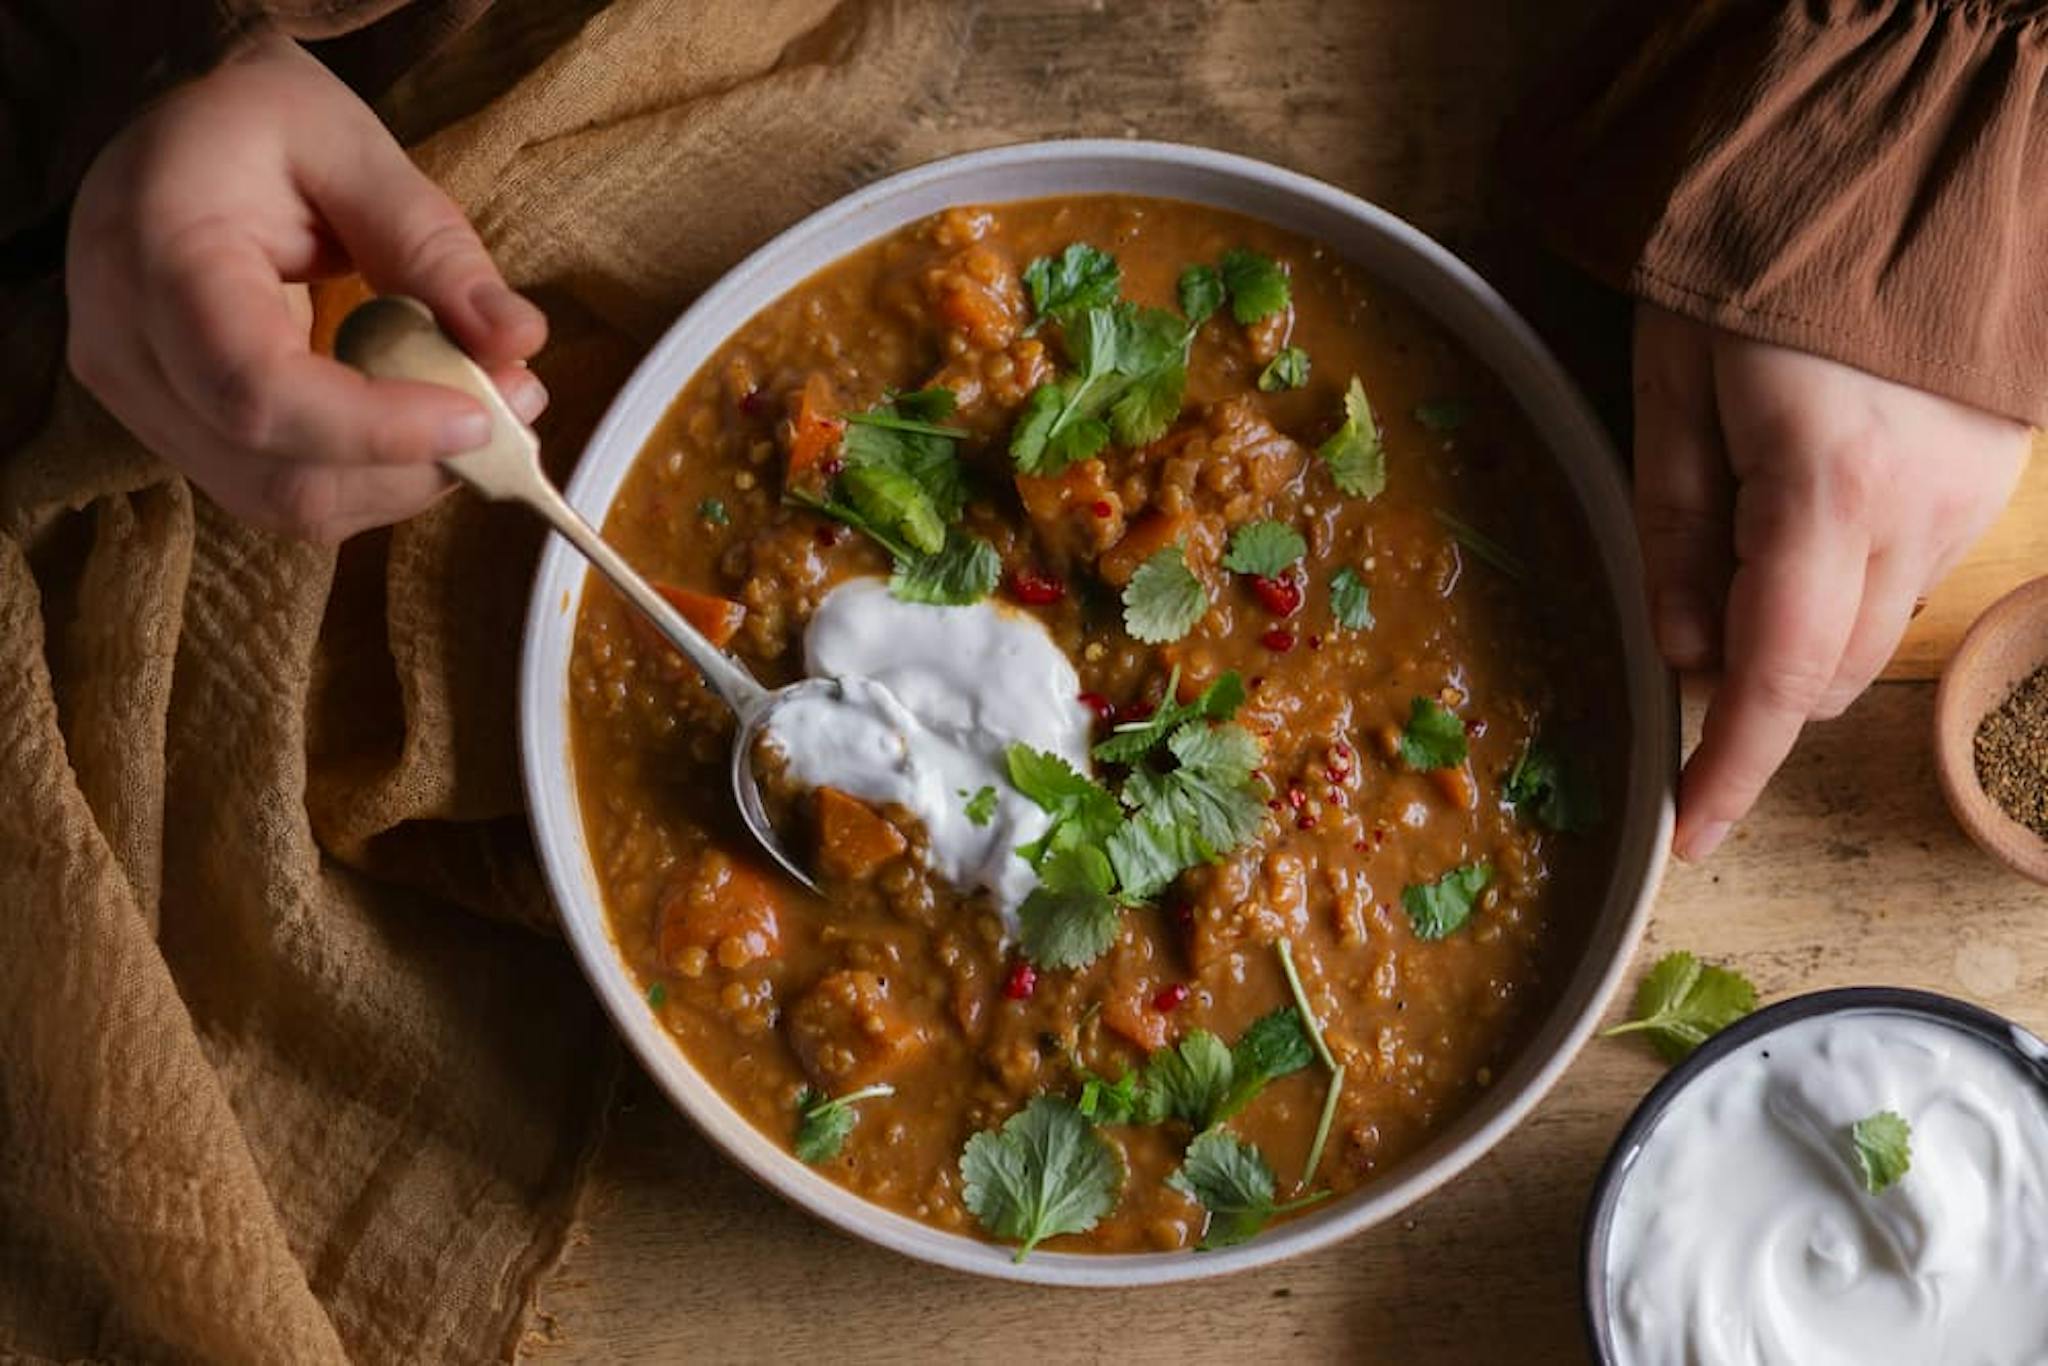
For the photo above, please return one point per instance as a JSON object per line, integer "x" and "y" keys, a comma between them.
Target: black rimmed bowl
{"x": 2028, "y": 1053}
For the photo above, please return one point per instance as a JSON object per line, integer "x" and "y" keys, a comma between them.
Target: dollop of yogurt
{"x": 1744, "y": 1235}
{"x": 928, "y": 699}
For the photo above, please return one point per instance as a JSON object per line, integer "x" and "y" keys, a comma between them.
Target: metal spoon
{"x": 394, "y": 337}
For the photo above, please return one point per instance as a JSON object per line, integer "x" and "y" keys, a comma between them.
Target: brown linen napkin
{"x": 269, "y": 1091}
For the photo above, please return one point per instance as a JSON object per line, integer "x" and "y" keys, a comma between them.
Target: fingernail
{"x": 502, "y": 309}
{"x": 1684, "y": 630}
{"x": 1704, "y": 841}
{"x": 465, "y": 432}
{"x": 526, "y": 394}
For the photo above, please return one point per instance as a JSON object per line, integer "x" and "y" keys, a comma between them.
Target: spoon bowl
{"x": 394, "y": 337}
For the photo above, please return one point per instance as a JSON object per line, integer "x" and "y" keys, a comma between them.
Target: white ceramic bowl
{"x": 1392, "y": 250}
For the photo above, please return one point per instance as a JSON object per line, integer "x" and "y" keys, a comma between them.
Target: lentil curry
{"x": 1343, "y": 549}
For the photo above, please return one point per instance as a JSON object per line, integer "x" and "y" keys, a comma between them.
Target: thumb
{"x": 408, "y": 237}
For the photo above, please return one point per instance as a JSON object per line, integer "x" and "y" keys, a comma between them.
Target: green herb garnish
{"x": 981, "y": 807}
{"x": 1130, "y": 375}
{"x": 1133, "y": 740}
{"x": 1433, "y": 738}
{"x": 1201, "y": 294}
{"x": 824, "y": 1123}
{"x": 964, "y": 571}
{"x": 1335, "y": 1088}
{"x": 657, "y": 995}
{"x": 1552, "y": 791}
{"x": 1256, "y": 284}
{"x": 1484, "y": 547}
{"x": 1683, "y": 1002}
{"x": 1202, "y": 1083}
{"x": 1070, "y": 919}
{"x": 1350, "y": 600}
{"x": 1205, "y": 806}
{"x": 1443, "y": 415}
{"x": 1078, "y": 278}
{"x": 1288, "y": 370}
{"x": 1356, "y": 459}
{"x": 713, "y": 511}
{"x": 1083, "y": 812}
{"x": 1164, "y": 599}
{"x": 1883, "y": 1145}
{"x": 1044, "y": 1173}
{"x": 1440, "y": 908}
{"x": 1263, "y": 548}
{"x": 1229, "y": 1179}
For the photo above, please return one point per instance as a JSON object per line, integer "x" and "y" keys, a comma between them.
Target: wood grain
{"x": 1849, "y": 872}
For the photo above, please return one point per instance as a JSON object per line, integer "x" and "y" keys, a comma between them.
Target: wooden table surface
{"x": 1850, "y": 871}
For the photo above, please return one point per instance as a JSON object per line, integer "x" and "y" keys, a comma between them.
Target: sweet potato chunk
{"x": 848, "y": 1032}
{"x": 720, "y": 910}
{"x": 717, "y": 619}
{"x": 1148, "y": 535}
{"x": 814, "y": 427}
{"x": 853, "y": 839}
{"x": 1075, "y": 511}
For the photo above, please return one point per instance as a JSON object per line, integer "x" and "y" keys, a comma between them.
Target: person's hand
{"x": 187, "y": 232}
{"x": 1792, "y": 512}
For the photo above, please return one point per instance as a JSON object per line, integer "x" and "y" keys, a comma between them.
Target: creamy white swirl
{"x": 1744, "y": 1235}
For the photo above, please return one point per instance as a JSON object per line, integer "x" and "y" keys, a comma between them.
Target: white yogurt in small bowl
{"x": 1734, "y": 1225}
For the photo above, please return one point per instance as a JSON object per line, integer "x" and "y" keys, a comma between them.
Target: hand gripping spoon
{"x": 394, "y": 337}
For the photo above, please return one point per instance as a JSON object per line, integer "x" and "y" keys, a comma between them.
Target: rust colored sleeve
{"x": 1864, "y": 179}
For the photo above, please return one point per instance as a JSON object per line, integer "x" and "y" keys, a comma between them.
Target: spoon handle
{"x": 393, "y": 337}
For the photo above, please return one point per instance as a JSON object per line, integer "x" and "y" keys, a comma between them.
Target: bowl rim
{"x": 2008, "y": 1036}
{"x": 1568, "y": 431}
{"x": 2013, "y": 845}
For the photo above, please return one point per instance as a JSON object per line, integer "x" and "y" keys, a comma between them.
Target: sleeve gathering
{"x": 1863, "y": 179}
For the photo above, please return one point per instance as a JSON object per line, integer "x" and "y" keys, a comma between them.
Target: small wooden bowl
{"x": 1999, "y": 651}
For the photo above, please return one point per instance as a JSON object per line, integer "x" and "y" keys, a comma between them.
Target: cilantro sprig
{"x": 1287, "y": 370}
{"x": 1683, "y": 1002}
{"x": 1882, "y": 1145}
{"x": 1440, "y": 909}
{"x": 1321, "y": 1045}
{"x": 1265, "y": 548}
{"x": 1350, "y": 600}
{"x": 1044, "y": 1173}
{"x": 903, "y": 486}
{"x": 1201, "y": 293}
{"x": 1353, "y": 454}
{"x": 1549, "y": 788}
{"x": 1433, "y": 738}
{"x": 1164, "y": 599}
{"x": 1203, "y": 807}
{"x": 824, "y": 1122}
{"x": 1256, "y": 283}
{"x": 1130, "y": 375}
{"x": 1230, "y": 1179}
{"x": 1081, "y": 277}
{"x": 1131, "y": 741}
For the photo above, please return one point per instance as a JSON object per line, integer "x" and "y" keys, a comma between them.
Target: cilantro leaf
{"x": 904, "y": 475}
{"x": 1164, "y": 599}
{"x": 1443, "y": 415}
{"x": 1068, "y": 928}
{"x": 1108, "y": 1103}
{"x": 1201, "y": 294}
{"x": 964, "y": 571}
{"x": 1083, "y": 812}
{"x": 1433, "y": 738}
{"x": 1883, "y": 1146}
{"x": 1201, "y": 810}
{"x": 657, "y": 995}
{"x": 1152, "y": 358}
{"x": 892, "y": 499}
{"x": 823, "y": 1124}
{"x": 1257, "y": 285}
{"x": 981, "y": 807}
{"x": 1441, "y": 908}
{"x": 1552, "y": 791}
{"x": 1190, "y": 1080}
{"x": 1230, "y": 1179}
{"x": 1350, "y": 600}
{"x": 1288, "y": 370}
{"x": 713, "y": 511}
{"x": 1131, "y": 378}
{"x": 1274, "y": 1046}
{"x": 935, "y": 404}
{"x": 1263, "y": 548}
{"x": 1683, "y": 1002}
{"x": 1044, "y": 1173}
{"x": 1484, "y": 547}
{"x": 1356, "y": 459}
{"x": 1133, "y": 740}
{"x": 1080, "y": 277}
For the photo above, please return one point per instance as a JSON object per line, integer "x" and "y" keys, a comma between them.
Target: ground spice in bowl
{"x": 2012, "y": 753}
